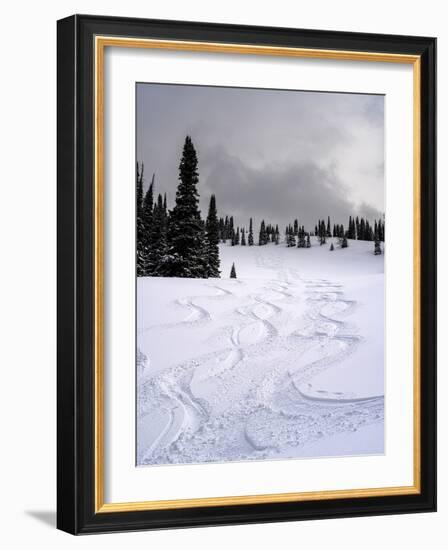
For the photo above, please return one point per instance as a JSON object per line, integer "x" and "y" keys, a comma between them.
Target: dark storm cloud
{"x": 278, "y": 194}
{"x": 268, "y": 154}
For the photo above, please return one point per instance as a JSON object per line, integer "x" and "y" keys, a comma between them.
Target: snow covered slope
{"x": 285, "y": 361}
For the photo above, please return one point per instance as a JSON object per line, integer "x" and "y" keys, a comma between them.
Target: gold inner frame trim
{"x": 101, "y": 42}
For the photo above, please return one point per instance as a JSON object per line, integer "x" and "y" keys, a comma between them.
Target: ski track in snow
{"x": 253, "y": 413}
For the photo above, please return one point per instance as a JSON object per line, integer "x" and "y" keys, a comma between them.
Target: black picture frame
{"x": 76, "y": 512}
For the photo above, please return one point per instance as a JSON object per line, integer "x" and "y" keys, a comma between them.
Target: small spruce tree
{"x": 250, "y": 240}
{"x": 291, "y": 239}
{"x": 301, "y": 240}
{"x": 276, "y": 235}
{"x": 296, "y": 227}
{"x": 332, "y": 247}
{"x": 262, "y": 238}
{"x": 377, "y": 249}
{"x": 237, "y": 236}
{"x": 322, "y": 233}
{"x": 233, "y": 272}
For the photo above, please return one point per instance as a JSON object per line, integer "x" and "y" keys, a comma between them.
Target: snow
{"x": 285, "y": 361}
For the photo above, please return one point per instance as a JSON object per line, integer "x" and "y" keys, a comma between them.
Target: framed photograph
{"x": 246, "y": 274}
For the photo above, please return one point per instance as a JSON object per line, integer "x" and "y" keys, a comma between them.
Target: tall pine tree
{"x": 147, "y": 216}
{"x": 157, "y": 245}
{"x": 140, "y": 229}
{"x": 212, "y": 239}
{"x": 186, "y": 255}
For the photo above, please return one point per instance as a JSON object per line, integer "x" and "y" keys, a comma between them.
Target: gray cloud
{"x": 279, "y": 194}
{"x": 268, "y": 154}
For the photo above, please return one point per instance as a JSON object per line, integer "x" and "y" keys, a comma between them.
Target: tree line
{"x": 358, "y": 229}
{"x": 179, "y": 243}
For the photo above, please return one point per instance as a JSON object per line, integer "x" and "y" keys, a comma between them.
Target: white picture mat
{"x": 123, "y": 481}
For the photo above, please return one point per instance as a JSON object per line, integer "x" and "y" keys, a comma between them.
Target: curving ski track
{"x": 258, "y": 401}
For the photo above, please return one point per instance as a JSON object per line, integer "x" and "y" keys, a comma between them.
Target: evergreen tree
{"x": 296, "y": 227}
{"x": 140, "y": 228}
{"x": 379, "y": 230}
{"x": 322, "y": 233}
{"x": 227, "y": 234}
{"x": 165, "y": 209}
{"x": 291, "y": 240}
{"x": 344, "y": 243}
{"x": 276, "y": 235}
{"x": 186, "y": 255}
{"x": 237, "y": 236}
{"x": 212, "y": 239}
{"x": 262, "y": 238}
{"x": 332, "y": 247}
{"x": 148, "y": 205}
{"x": 301, "y": 242}
{"x": 377, "y": 249}
{"x": 251, "y": 234}
{"x": 243, "y": 237}
{"x": 139, "y": 192}
{"x": 362, "y": 230}
{"x": 233, "y": 272}
{"x": 328, "y": 228}
{"x": 146, "y": 224}
{"x": 308, "y": 241}
{"x": 157, "y": 245}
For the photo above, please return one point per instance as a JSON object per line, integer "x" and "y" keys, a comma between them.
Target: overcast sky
{"x": 269, "y": 154}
